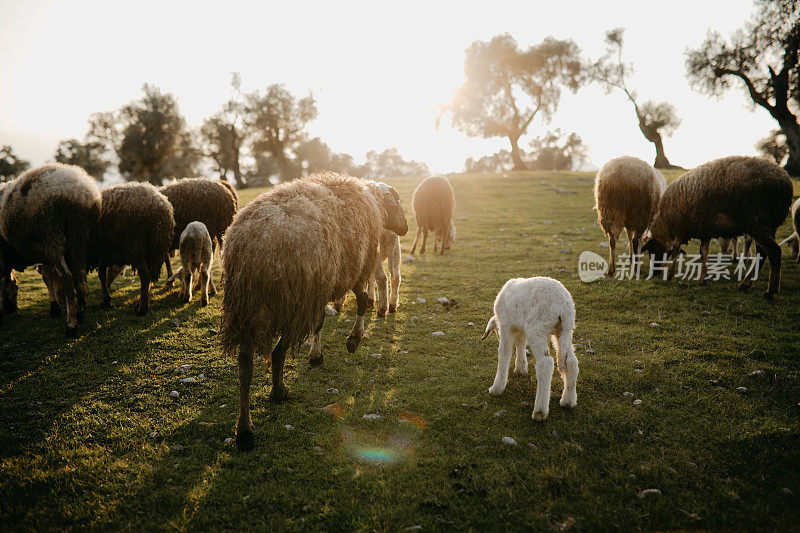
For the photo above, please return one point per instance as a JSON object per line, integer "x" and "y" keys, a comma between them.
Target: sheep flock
{"x": 306, "y": 243}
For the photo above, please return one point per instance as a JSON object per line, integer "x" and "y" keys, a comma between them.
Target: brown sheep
{"x": 626, "y": 195}
{"x": 434, "y": 204}
{"x": 136, "y": 226}
{"x": 726, "y": 197}
{"x": 197, "y": 259}
{"x": 47, "y": 216}
{"x": 286, "y": 255}
{"x": 212, "y": 202}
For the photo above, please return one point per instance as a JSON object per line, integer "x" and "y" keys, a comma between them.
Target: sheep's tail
{"x": 793, "y": 237}
{"x": 490, "y": 327}
{"x": 562, "y": 341}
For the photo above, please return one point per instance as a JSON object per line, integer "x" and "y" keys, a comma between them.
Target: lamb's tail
{"x": 793, "y": 237}
{"x": 490, "y": 327}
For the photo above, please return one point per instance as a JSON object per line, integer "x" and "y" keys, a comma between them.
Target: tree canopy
{"x": 92, "y": 156}
{"x": 11, "y": 165}
{"x": 506, "y": 87}
{"x": 761, "y": 58}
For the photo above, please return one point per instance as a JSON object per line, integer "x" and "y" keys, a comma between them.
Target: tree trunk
{"x": 519, "y": 164}
{"x": 661, "y": 158}
{"x": 792, "y": 132}
{"x": 237, "y": 172}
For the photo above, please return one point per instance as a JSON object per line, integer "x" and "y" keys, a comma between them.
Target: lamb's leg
{"x": 567, "y": 367}
{"x": 394, "y": 297}
{"x": 544, "y": 376}
{"x": 338, "y": 304}
{"x": 414, "y": 248}
{"x": 382, "y": 283}
{"x": 704, "y": 260}
{"x": 205, "y": 276}
{"x": 639, "y": 244}
{"x": 444, "y": 242}
{"x": 211, "y": 281}
{"x": 424, "y": 240}
{"x": 354, "y": 339}
{"x": 68, "y": 289}
{"x": 371, "y": 293}
{"x": 244, "y": 426}
{"x": 676, "y": 253}
{"x": 505, "y": 348}
{"x": 315, "y": 354}
{"x": 187, "y": 282}
{"x": 521, "y": 361}
{"x": 279, "y": 389}
{"x": 144, "y": 291}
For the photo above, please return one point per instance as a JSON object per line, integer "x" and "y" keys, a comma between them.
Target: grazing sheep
{"x": 793, "y": 240}
{"x": 212, "y": 202}
{"x": 286, "y": 255}
{"x": 136, "y": 226}
{"x": 528, "y": 312}
{"x": 434, "y": 203}
{"x": 47, "y": 216}
{"x": 726, "y": 197}
{"x": 389, "y": 249}
{"x": 197, "y": 258}
{"x": 626, "y": 194}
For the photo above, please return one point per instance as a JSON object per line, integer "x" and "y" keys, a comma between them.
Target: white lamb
{"x": 527, "y": 312}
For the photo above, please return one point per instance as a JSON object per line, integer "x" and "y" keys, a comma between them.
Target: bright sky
{"x": 378, "y": 69}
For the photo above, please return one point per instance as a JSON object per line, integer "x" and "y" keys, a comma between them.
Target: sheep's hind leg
{"x": 613, "y": 235}
{"x": 773, "y": 252}
{"x": 68, "y": 289}
{"x": 424, "y": 240}
{"x": 382, "y": 283}
{"x": 168, "y": 263}
{"x": 315, "y": 354}
{"x": 354, "y": 339}
{"x": 544, "y": 376}
{"x": 704, "y": 260}
{"x": 102, "y": 273}
{"x": 521, "y": 362}
{"x": 505, "y": 348}
{"x": 279, "y": 389}
{"x": 414, "y": 248}
{"x": 205, "y": 275}
{"x": 244, "y": 426}
{"x": 55, "y": 309}
{"x": 568, "y": 368}
{"x": 144, "y": 297}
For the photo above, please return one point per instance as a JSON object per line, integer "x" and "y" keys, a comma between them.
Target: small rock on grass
{"x": 412, "y": 528}
{"x": 654, "y": 324}
{"x": 372, "y": 416}
{"x": 318, "y": 450}
{"x": 591, "y": 351}
{"x": 626, "y": 393}
{"x": 414, "y": 318}
{"x": 228, "y": 440}
{"x": 753, "y": 373}
{"x": 648, "y": 492}
{"x": 174, "y": 394}
{"x": 176, "y": 448}
{"x": 329, "y": 311}
{"x": 332, "y": 390}
{"x": 470, "y": 323}
{"x": 289, "y": 427}
{"x": 421, "y": 300}
{"x": 501, "y": 412}
{"x": 741, "y": 390}
{"x": 566, "y": 524}
{"x": 787, "y": 491}
{"x": 509, "y": 441}
{"x": 438, "y": 333}
{"x": 637, "y": 402}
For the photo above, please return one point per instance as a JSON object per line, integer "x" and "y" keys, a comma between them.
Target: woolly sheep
{"x": 47, "y": 216}
{"x": 626, "y": 194}
{"x": 197, "y": 259}
{"x": 136, "y": 226}
{"x": 285, "y": 256}
{"x": 389, "y": 249}
{"x": 212, "y": 202}
{"x": 726, "y": 197}
{"x": 793, "y": 240}
{"x": 528, "y": 312}
{"x": 434, "y": 204}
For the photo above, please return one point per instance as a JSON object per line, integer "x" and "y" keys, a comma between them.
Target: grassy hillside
{"x": 90, "y": 437}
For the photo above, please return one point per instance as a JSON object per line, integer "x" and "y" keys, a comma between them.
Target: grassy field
{"x": 90, "y": 437}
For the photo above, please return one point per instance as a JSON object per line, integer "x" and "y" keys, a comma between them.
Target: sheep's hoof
{"x": 392, "y": 308}
{"x": 140, "y": 310}
{"x": 279, "y": 394}
{"x": 71, "y": 332}
{"x": 80, "y": 316}
{"x": 245, "y": 440}
{"x": 496, "y": 391}
{"x": 315, "y": 361}
{"x": 568, "y": 402}
{"x": 204, "y": 302}
{"x": 538, "y": 416}
{"x": 769, "y": 296}
{"x": 352, "y": 344}
{"x": 382, "y": 312}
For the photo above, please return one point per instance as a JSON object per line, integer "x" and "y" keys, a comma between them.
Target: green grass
{"x": 76, "y": 417}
